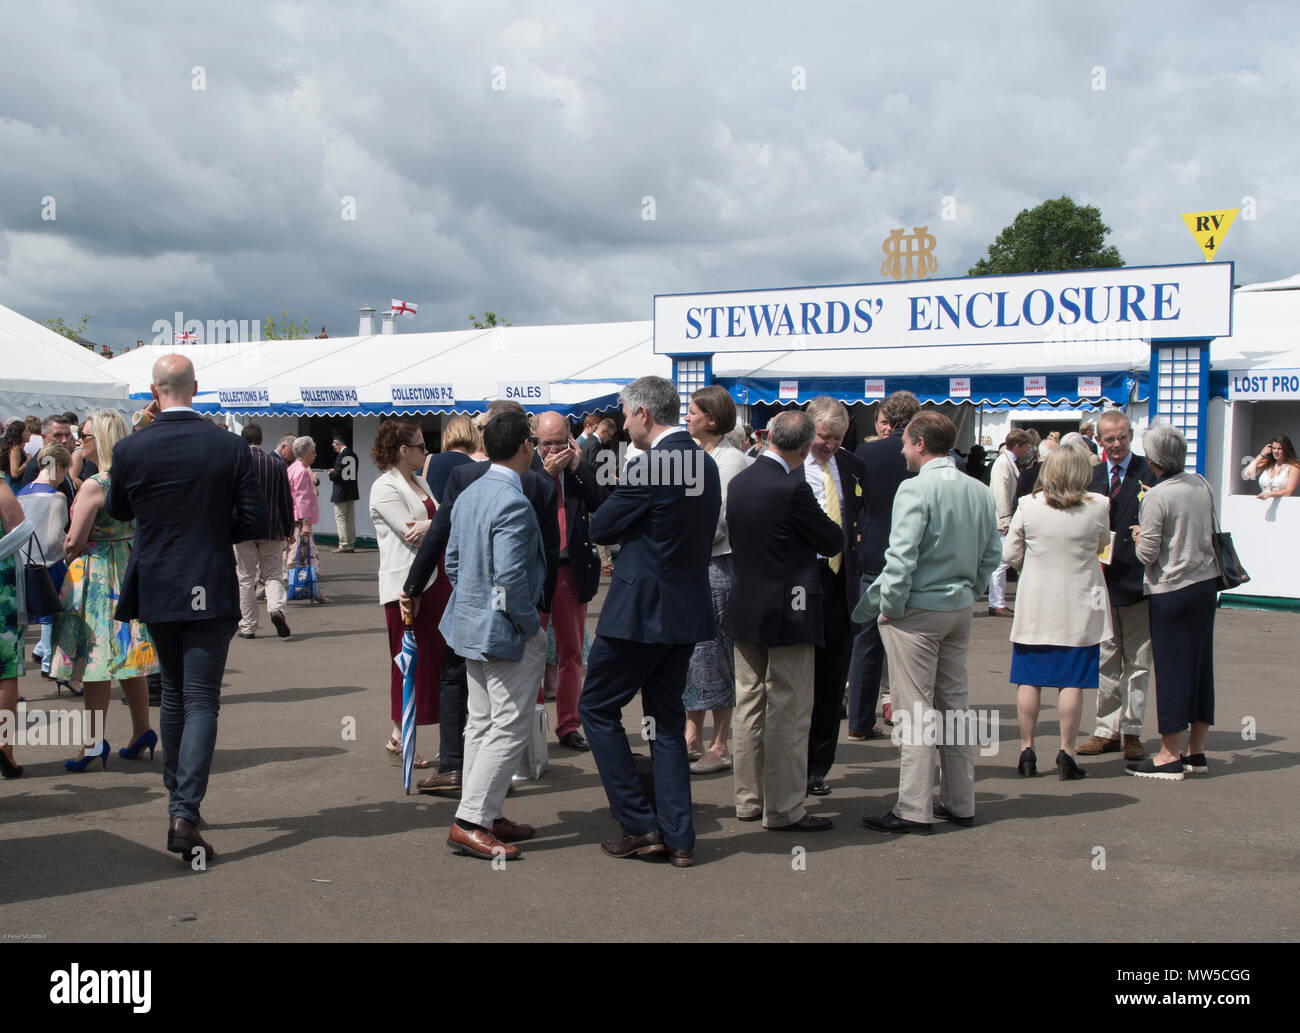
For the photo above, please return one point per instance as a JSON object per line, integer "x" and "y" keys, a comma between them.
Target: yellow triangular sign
{"x": 1209, "y": 228}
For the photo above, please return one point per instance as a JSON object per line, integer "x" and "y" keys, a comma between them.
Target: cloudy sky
{"x": 205, "y": 157}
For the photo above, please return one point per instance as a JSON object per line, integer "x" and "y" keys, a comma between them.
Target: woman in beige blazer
{"x": 402, "y": 508}
{"x": 1062, "y": 608}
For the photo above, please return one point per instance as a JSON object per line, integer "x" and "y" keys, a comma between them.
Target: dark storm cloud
{"x": 227, "y": 202}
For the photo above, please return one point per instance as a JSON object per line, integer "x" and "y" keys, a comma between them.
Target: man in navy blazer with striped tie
{"x": 665, "y": 511}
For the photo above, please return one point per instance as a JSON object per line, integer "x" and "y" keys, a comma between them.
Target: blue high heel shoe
{"x": 146, "y": 741}
{"x": 84, "y": 762}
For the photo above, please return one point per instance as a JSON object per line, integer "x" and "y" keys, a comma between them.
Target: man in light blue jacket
{"x": 497, "y": 566}
{"x": 943, "y": 546}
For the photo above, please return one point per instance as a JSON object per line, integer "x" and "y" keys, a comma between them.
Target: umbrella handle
{"x": 407, "y": 620}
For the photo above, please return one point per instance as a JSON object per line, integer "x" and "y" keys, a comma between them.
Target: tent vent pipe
{"x": 367, "y": 327}
{"x": 390, "y": 323}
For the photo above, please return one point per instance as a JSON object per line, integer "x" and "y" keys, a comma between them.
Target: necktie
{"x": 1115, "y": 477}
{"x": 564, "y": 526}
{"x": 832, "y": 510}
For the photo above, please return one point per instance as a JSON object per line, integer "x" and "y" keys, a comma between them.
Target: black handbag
{"x": 42, "y": 599}
{"x": 1231, "y": 572}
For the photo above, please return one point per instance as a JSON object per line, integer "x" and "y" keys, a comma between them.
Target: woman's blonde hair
{"x": 56, "y": 454}
{"x": 1065, "y": 477}
{"x": 460, "y": 432}
{"x": 109, "y": 428}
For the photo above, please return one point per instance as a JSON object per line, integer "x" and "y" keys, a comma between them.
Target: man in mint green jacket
{"x": 943, "y": 546}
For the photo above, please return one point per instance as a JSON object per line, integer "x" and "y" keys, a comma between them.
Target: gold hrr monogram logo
{"x": 917, "y": 248}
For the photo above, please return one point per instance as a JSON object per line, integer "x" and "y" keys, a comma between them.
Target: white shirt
{"x": 776, "y": 459}
{"x": 812, "y": 472}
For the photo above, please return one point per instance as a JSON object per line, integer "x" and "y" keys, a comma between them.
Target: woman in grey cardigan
{"x": 1173, "y": 539}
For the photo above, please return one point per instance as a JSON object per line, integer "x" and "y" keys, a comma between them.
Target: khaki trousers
{"x": 259, "y": 559}
{"x": 927, "y": 669}
{"x": 345, "y": 520}
{"x": 1125, "y": 672}
{"x": 774, "y": 700}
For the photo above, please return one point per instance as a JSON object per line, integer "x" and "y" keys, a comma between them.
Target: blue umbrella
{"x": 405, "y": 661}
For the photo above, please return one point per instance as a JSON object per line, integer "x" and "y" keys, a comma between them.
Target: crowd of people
{"x": 773, "y": 581}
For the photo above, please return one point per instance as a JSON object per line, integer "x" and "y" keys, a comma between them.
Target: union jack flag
{"x": 184, "y": 338}
{"x": 406, "y": 308}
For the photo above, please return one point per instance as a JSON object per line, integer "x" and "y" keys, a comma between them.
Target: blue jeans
{"x": 192, "y": 658}
{"x": 865, "y": 668}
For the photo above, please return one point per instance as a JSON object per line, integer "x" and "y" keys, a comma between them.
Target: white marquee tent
{"x": 42, "y": 372}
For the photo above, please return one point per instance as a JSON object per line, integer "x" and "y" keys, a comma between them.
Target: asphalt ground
{"x": 316, "y": 840}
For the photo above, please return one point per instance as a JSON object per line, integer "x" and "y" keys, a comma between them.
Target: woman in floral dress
{"x": 90, "y": 646}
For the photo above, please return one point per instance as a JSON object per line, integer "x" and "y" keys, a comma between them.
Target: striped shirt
{"x": 274, "y": 484}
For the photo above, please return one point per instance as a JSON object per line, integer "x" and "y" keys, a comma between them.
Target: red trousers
{"x": 570, "y": 619}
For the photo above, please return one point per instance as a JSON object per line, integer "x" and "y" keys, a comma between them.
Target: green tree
{"x": 1054, "y": 236}
{"x": 284, "y": 329}
{"x": 488, "y": 321}
{"x": 57, "y": 324}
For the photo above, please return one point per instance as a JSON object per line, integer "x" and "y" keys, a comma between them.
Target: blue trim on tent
{"x": 989, "y": 388}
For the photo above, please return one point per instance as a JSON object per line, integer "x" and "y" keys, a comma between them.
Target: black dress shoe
{"x": 184, "y": 839}
{"x": 574, "y": 741}
{"x": 680, "y": 858}
{"x": 817, "y": 786}
{"x": 940, "y": 811}
{"x": 805, "y": 824}
{"x": 248, "y": 634}
{"x": 652, "y": 843}
{"x": 889, "y": 822}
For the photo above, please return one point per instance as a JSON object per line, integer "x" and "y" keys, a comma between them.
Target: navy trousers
{"x": 830, "y": 664}
{"x": 453, "y": 711}
{"x": 616, "y": 670}
{"x": 866, "y": 667}
{"x": 1182, "y": 653}
{"x": 192, "y": 659}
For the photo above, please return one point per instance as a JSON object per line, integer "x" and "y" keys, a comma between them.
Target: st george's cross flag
{"x": 406, "y": 308}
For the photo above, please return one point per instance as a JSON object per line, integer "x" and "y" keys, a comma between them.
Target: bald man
{"x": 190, "y": 489}
{"x": 578, "y": 574}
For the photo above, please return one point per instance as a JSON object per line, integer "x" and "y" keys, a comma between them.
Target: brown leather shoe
{"x": 1099, "y": 744}
{"x": 480, "y": 843}
{"x": 444, "y": 782}
{"x": 511, "y": 832}
{"x": 1132, "y": 748}
{"x": 635, "y": 846}
{"x": 1001, "y": 611}
{"x": 184, "y": 839}
{"x": 680, "y": 858}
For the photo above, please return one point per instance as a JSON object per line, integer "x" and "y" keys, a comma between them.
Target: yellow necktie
{"x": 832, "y": 510}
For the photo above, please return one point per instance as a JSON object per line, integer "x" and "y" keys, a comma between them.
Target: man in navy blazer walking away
{"x": 190, "y": 489}
{"x": 665, "y": 511}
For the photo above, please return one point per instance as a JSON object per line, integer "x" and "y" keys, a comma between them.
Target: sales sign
{"x": 525, "y": 392}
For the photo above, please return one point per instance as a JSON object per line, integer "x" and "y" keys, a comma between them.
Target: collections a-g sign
{"x": 243, "y": 397}
{"x": 1255, "y": 385}
{"x": 1154, "y": 302}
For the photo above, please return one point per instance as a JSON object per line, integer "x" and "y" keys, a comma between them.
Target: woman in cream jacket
{"x": 1062, "y": 608}
{"x": 402, "y": 508}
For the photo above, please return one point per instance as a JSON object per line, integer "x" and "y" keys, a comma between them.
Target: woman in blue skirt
{"x": 1056, "y": 539}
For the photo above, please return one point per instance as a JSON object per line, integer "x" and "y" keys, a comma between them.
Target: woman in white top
{"x": 402, "y": 508}
{"x": 1062, "y": 608}
{"x": 1276, "y": 467}
{"x": 47, "y": 509}
{"x": 711, "y": 677}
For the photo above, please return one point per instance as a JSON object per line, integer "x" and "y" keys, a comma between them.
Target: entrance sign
{"x": 788, "y": 391}
{"x": 1151, "y": 302}
{"x": 1260, "y": 385}
{"x": 873, "y": 388}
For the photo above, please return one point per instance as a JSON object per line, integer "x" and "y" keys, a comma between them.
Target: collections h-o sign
{"x": 1151, "y": 302}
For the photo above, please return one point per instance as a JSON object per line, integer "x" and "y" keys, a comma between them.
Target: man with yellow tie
{"x": 835, "y": 476}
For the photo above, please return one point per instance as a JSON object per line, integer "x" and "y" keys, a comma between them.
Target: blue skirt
{"x": 1060, "y": 667}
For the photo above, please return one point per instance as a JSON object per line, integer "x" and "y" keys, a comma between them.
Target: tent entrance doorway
{"x": 1047, "y": 426}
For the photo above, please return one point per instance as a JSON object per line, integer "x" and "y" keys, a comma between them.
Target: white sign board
{"x": 1135, "y": 303}
{"x": 1035, "y": 386}
{"x": 959, "y": 387}
{"x": 244, "y": 397}
{"x": 328, "y": 395}
{"x": 789, "y": 391}
{"x": 422, "y": 394}
{"x": 1257, "y": 385}
{"x": 874, "y": 389}
{"x": 1089, "y": 387}
{"x": 525, "y": 392}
